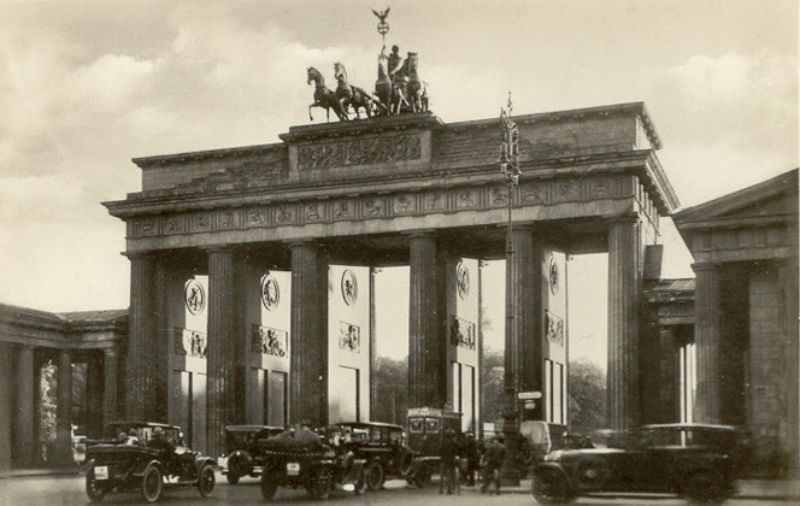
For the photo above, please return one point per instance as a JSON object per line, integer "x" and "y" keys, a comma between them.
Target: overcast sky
{"x": 86, "y": 86}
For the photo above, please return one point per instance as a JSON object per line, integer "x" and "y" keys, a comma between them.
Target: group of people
{"x": 462, "y": 453}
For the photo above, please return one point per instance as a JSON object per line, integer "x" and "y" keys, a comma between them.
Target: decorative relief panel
{"x": 554, "y": 328}
{"x": 462, "y": 332}
{"x": 462, "y": 280}
{"x": 553, "y": 276}
{"x": 349, "y": 287}
{"x": 371, "y": 206}
{"x": 190, "y": 342}
{"x": 194, "y": 296}
{"x": 349, "y": 337}
{"x": 404, "y": 204}
{"x": 270, "y": 292}
{"x": 384, "y": 149}
{"x": 269, "y": 341}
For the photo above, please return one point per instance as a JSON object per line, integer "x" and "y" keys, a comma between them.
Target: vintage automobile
{"x": 692, "y": 460}
{"x": 426, "y": 429}
{"x": 303, "y": 458}
{"x": 381, "y": 446}
{"x": 243, "y": 456}
{"x": 149, "y": 457}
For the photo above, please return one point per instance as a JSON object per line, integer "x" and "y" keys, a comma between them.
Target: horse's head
{"x": 313, "y": 75}
{"x": 339, "y": 72}
{"x": 413, "y": 62}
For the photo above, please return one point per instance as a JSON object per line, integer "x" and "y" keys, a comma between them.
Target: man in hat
{"x": 493, "y": 460}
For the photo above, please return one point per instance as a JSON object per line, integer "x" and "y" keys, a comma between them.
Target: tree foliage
{"x": 587, "y": 397}
{"x": 391, "y": 390}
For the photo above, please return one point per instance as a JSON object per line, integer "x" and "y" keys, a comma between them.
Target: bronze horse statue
{"x": 391, "y": 93}
{"x": 349, "y": 95}
{"x": 417, "y": 95}
{"x": 323, "y": 96}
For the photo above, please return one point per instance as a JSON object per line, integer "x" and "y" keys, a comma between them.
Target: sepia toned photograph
{"x": 475, "y": 252}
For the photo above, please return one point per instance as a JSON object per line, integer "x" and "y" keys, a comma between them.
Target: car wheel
{"x": 94, "y": 490}
{"x": 360, "y": 486}
{"x": 550, "y": 487}
{"x": 374, "y": 475}
{"x": 321, "y": 484}
{"x": 704, "y": 487}
{"x": 422, "y": 476}
{"x": 152, "y": 483}
{"x": 232, "y": 478}
{"x": 269, "y": 486}
{"x": 205, "y": 481}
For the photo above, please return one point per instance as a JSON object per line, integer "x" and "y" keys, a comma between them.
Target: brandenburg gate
{"x": 252, "y": 268}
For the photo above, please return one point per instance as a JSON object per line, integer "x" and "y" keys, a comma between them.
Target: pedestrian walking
{"x": 492, "y": 462}
{"x": 448, "y": 474}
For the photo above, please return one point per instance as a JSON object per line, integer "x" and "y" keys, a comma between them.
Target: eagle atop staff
{"x": 382, "y": 14}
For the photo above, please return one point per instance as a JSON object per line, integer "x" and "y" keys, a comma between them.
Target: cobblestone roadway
{"x": 49, "y": 491}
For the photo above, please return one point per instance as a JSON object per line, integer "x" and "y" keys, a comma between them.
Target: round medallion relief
{"x": 553, "y": 275}
{"x": 270, "y": 292}
{"x": 349, "y": 287}
{"x": 462, "y": 280}
{"x": 194, "y": 296}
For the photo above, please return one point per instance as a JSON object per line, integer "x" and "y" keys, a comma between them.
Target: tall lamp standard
{"x": 509, "y": 166}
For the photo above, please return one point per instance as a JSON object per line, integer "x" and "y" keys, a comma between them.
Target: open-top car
{"x": 692, "y": 460}
{"x": 426, "y": 430}
{"x": 302, "y": 458}
{"x": 381, "y": 446}
{"x": 148, "y": 457}
{"x": 243, "y": 455}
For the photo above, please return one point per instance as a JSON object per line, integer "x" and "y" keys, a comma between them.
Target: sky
{"x": 86, "y": 86}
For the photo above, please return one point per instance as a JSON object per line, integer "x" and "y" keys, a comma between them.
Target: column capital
{"x": 705, "y": 266}
{"x": 220, "y": 248}
{"x": 297, "y": 243}
{"x": 426, "y": 233}
{"x": 139, "y": 255}
{"x": 110, "y": 352}
{"x": 631, "y": 219}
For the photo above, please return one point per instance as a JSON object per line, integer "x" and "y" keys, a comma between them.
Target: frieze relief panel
{"x": 554, "y": 328}
{"x": 349, "y": 337}
{"x": 190, "y": 342}
{"x": 379, "y": 206}
{"x": 269, "y": 341}
{"x": 462, "y": 332}
{"x": 353, "y": 152}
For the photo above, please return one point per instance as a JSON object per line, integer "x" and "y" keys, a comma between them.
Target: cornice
{"x": 605, "y": 163}
{"x": 149, "y": 162}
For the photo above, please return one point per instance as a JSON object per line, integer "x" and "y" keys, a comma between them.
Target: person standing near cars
{"x": 493, "y": 460}
{"x": 449, "y": 460}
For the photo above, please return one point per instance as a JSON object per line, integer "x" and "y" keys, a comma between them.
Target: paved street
{"x": 52, "y": 491}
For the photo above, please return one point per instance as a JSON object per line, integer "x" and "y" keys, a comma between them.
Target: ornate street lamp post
{"x": 509, "y": 166}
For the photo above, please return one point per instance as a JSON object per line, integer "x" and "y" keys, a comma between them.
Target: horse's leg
{"x": 310, "y": 117}
{"x": 327, "y": 115}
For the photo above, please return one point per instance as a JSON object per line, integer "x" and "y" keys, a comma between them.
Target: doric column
{"x": 623, "y": 323}
{"x": 309, "y": 335}
{"x": 64, "y": 410}
{"x": 24, "y": 429}
{"x": 6, "y": 397}
{"x": 707, "y": 335}
{"x": 140, "y": 372}
{"x": 224, "y": 392}
{"x": 427, "y": 383}
{"x": 667, "y": 385}
{"x": 373, "y": 385}
{"x": 94, "y": 395}
{"x": 788, "y": 273}
{"x": 109, "y": 387}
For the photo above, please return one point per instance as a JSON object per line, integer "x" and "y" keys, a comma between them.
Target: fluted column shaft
{"x": 707, "y": 337}
{"x": 109, "y": 387}
{"x": 309, "y": 339}
{"x": 24, "y": 443}
{"x": 6, "y": 398}
{"x": 223, "y": 390}
{"x": 140, "y": 373}
{"x": 624, "y": 276}
{"x": 64, "y": 409}
{"x": 427, "y": 383}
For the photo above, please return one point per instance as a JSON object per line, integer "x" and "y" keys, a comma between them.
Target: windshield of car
{"x": 416, "y": 425}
